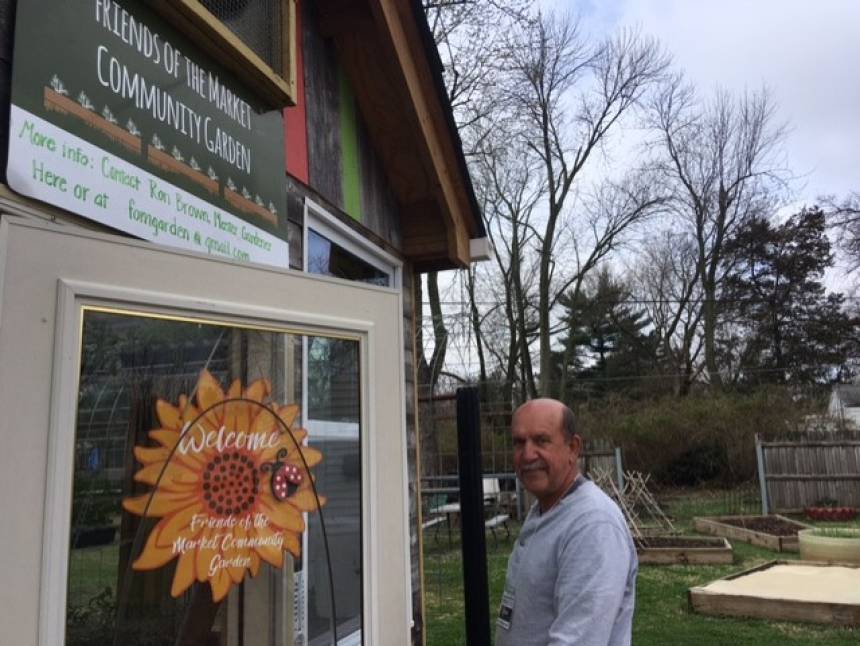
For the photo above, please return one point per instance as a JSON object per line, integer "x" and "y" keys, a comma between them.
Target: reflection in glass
{"x": 333, "y": 423}
{"x": 329, "y": 259}
{"x": 128, "y": 364}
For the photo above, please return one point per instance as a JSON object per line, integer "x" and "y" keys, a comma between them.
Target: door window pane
{"x": 333, "y": 421}
{"x": 192, "y": 489}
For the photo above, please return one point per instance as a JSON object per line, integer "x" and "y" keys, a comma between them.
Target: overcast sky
{"x": 807, "y": 52}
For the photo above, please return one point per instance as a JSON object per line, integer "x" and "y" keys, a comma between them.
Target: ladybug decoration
{"x": 286, "y": 478}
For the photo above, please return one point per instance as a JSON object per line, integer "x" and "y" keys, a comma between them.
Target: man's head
{"x": 546, "y": 447}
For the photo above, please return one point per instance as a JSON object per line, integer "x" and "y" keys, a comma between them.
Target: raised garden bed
{"x": 774, "y": 532}
{"x": 810, "y": 591}
{"x": 830, "y": 544}
{"x": 667, "y": 550}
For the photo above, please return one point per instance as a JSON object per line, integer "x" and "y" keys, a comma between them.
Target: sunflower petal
{"x": 184, "y": 576}
{"x": 264, "y": 421}
{"x": 209, "y": 391}
{"x": 148, "y": 455}
{"x": 175, "y": 476}
{"x": 282, "y": 515}
{"x": 153, "y": 556}
{"x": 292, "y": 544}
{"x": 239, "y": 419}
{"x": 235, "y": 390}
{"x": 179, "y": 524}
{"x": 237, "y": 573}
{"x": 258, "y": 390}
{"x": 162, "y": 503}
{"x": 270, "y": 553}
{"x": 289, "y": 413}
{"x": 305, "y": 500}
{"x": 220, "y": 583}
{"x": 168, "y": 414}
{"x": 285, "y": 441}
{"x": 312, "y": 457}
{"x": 165, "y": 436}
{"x": 204, "y": 557}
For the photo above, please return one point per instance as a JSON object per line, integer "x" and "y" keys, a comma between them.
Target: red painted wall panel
{"x": 295, "y": 124}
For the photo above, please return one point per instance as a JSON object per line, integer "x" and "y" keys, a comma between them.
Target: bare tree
{"x": 469, "y": 36}
{"x": 666, "y": 277}
{"x": 510, "y": 192}
{"x": 844, "y": 217}
{"x": 719, "y": 162}
{"x": 570, "y": 94}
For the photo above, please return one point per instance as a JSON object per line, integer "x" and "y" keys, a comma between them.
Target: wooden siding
{"x": 343, "y": 165}
{"x": 322, "y": 96}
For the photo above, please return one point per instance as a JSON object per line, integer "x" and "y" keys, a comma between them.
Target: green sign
{"x": 117, "y": 117}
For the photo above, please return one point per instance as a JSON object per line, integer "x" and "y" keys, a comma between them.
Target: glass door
{"x": 195, "y": 480}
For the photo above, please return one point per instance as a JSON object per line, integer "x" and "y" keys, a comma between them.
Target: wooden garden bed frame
{"x": 715, "y": 525}
{"x": 718, "y": 552}
{"x": 708, "y": 602}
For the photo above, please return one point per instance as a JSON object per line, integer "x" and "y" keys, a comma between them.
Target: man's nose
{"x": 529, "y": 454}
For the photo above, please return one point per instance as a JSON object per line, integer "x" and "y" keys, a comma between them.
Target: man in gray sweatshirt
{"x": 572, "y": 575}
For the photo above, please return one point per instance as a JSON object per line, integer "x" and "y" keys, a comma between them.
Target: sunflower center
{"x": 230, "y": 483}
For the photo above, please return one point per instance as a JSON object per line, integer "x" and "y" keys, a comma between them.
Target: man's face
{"x": 543, "y": 459}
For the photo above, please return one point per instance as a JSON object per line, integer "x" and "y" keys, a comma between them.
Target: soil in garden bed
{"x": 764, "y": 524}
{"x": 682, "y": 542}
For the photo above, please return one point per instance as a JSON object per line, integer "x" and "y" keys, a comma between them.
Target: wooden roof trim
{"x": 400, "y": 28}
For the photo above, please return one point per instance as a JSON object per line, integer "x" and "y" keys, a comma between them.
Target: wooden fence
{"x": 804, "y": 469}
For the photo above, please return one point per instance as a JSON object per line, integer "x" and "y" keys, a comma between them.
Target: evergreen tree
{"x": 607, "y": 346}
{"x": 781, "y": 324}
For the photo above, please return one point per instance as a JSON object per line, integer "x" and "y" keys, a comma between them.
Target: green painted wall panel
{"x": 349, "y": 150}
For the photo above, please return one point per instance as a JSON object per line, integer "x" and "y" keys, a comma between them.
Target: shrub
{"x": 705, "y": 437}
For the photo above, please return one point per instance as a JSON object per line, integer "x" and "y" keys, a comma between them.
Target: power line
{"x": 642, "y": 301}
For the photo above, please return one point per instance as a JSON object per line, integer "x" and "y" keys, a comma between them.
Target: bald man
{"x": 572, "y": 575}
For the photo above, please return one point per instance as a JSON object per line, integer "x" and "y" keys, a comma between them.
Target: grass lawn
{"x": 662, "y": 617}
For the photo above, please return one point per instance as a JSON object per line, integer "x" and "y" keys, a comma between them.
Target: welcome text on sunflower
{"x": 223, "y": 439}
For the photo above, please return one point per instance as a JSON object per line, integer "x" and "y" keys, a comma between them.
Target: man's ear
{"x": 576, "y": 445}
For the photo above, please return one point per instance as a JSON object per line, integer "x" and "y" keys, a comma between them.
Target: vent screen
{"x": 257, "y": 23}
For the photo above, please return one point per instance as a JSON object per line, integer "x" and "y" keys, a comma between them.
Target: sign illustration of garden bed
{"x": 774, "y": 532}
{"x": 174, "y": 162}
{"x": 57, "y": 100}
{"x": 810, "y": 591}
{"x": 248, "y": 204}
{"x": 666, "y": 550}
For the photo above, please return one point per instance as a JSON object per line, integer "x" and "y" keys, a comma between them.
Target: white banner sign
{"x": 55, "y": 166}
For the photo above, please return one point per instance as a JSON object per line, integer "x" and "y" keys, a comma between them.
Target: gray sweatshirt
{"x": 571, "y": 577}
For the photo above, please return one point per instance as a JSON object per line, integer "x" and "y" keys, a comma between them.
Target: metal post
{"x": 474, "y": 546}
{"x": 619, "y": 469}
{"x": 762, "y": 476}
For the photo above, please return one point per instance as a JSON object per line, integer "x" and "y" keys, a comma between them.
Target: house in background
{"x": 212, "y": 218}
{"x": 844, "y": 405}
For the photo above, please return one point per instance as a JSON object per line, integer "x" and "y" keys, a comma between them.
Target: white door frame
{"x": 47, "y": 273}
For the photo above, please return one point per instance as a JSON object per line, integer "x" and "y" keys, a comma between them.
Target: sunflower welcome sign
{"x": 230, "y": 480}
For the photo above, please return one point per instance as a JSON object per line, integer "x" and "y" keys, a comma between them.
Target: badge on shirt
{"x": 506, "y": 611}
